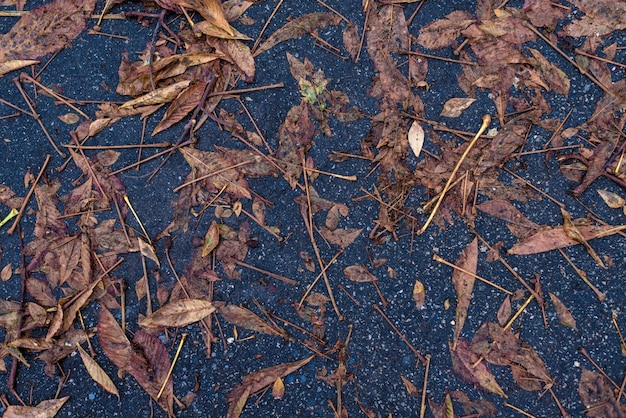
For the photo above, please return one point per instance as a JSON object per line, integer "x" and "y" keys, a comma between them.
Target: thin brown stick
{"x": 309, "y": 224}
{"x": 435, "y": 57}
{"x": 601, "y": 296}
{"x": 319, "y": 276}
{"x": 595, "y": 57}
{"x": 423, "y": 402}
{"x": 535, "y": 188}
{"x": 249, "y": 90}
{"x": 483, "y": 127}
{"x": 28, "y": 195}
{"x": 415, "y": 351}
{"x": 269, "y": 19}
{"x": 482, "y": 279}
{"x": 557, "y": 131}
{"x": 262, "y": 225}
{"x": 54, "y": 94}
{"x": 258, "y": 270}
{"x": 127, "y": 146}
{"x": 35, "y": 116}
{"x": 206, "y": 176}
{"x": 334, "y": 11}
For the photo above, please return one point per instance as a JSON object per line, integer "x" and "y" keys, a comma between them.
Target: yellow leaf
{"x": 419, "y": 294}
{"x": 278, "y": 389}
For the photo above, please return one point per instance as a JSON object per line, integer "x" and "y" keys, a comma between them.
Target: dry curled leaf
{"x": 454, "y": 107}
{"x": 45, "y": 409}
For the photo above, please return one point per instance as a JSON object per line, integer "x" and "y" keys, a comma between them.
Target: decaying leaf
{"x": 45, "y": 29}
{"x": 179, "y": 314}
{"x": 612, "y": 200}
{"x": 565, "y": 316}
{"x": 465, "y": 365}
{"x": 278, "y": 389}
{"x": 501, "y": 347}
{"x": 419, "y": 294}
{"x": 598, "y": 396}
{"x": 443, "y": 32}
{"x": 409, "y": 386}
{"x": 464, "y": 285}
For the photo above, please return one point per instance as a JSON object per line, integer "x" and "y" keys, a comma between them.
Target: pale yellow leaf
{"x": 416, "y": 138}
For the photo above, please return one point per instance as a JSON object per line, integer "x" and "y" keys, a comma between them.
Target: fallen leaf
{"x": 7, "y": 272}
{"x": 464, "y": 285}
{"x": 211, "y": 239}
{"x": 278, "y": 389}
{"x": 45, "y": 409}
{"x": 419, "y": 294}
{"x": 416, "y": 138}
{"x": 247, "y": 319}
{"x": 465, "y": 364}
{"x": 612, "y": 200}
{"x": 444, "y": 32}
{"x": 454, "y": 107}
{"x": 45, "y": 29}
{"x": 596, "y": 393}
{"x": 257, "y": 381}
{"x": 179, "y": 314}
{"x": 69, "y": 118}
{"x": 409, "y": 386}
{"x": 565, "y": 316}
{"x": 186, "y": 101}
{"x": 96, "y": 373}
{"x": 298, "y": 27}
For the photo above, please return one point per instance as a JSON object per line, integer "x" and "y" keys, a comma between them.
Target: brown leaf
{"x": 97, "y": 373}
{"x": 7, "y": 272}
{"x": 612, "y": 200}
{"x": 501, "y": 347}
{"x": 351, "y": 40}
{"x": 565, "y": 316}
{"x": 342, "y": 237}
{"x": 519, "y": 225}
{"x": 257, "y": 381}
{"x": 112, "y": 339}
{"x": 184, "y": 103}
{"x": 572, "y": 231}
{"x": 242, "y": 317}
{"x": 45, "y": 409}
{"x": 504, "y": 311}
{"x": 149, "y": 365}
{"x": 596, "y": 393}
{"x": 278, "y": 389}
{"x": 298, "y": 27}
{"x": 465, "y": 364}
{"x": 159, "y": 96}
{"x": 455, "y": 106}
{"x": 178, "y": 314}
{"x": 443, "y": 32}
{"x": 359, "y": 274}
{"x": 211, "y": 10}
{"x": 239, "y": 54}
{"x": 409, "y": 386}
{"x": 552, "y": 238}
{"x": 46, "y": 29}
{"x": 464, "y": 285}
{"x": 554, "y": 76}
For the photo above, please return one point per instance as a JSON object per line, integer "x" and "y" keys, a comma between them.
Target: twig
{"x": 391, "y": 324}
{"x": 447, "y": 263}
{"x": 35, "y": 116}
{"x": 269, "y": 19}
{"x": 423, "y": 403}
{"x": 485, "y": 124}
{"x": 28, "y": 195}
{"x": 265, "y": 272}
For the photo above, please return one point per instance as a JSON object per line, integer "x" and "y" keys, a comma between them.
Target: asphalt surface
{"x": 377, "y": 356}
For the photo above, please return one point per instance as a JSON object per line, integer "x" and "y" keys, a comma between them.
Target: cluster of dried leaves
{"x": 70, "y": 262}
